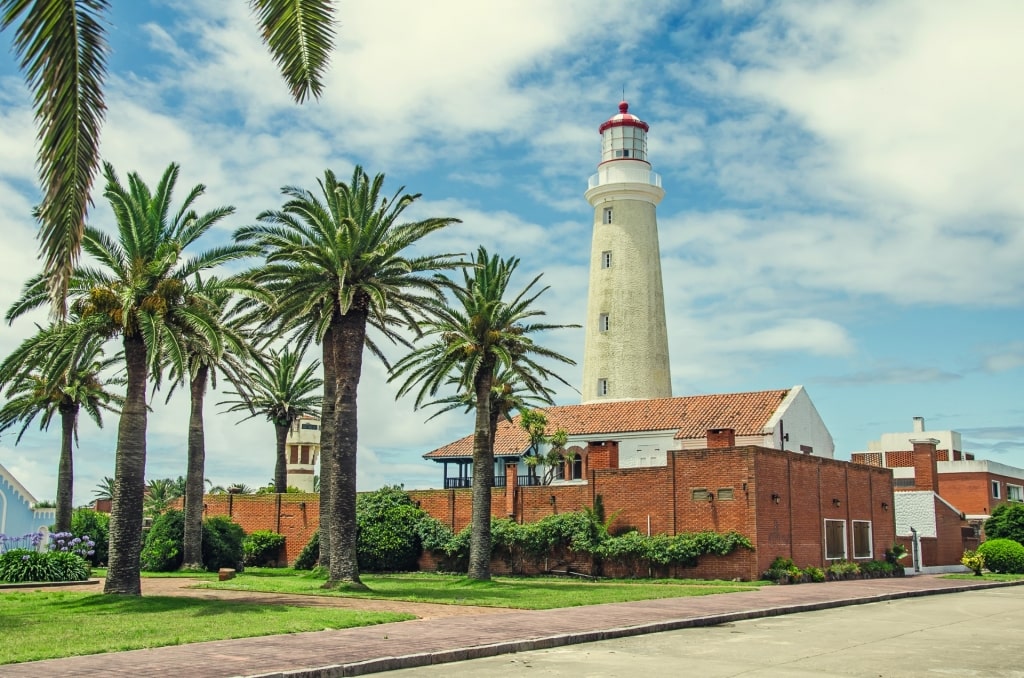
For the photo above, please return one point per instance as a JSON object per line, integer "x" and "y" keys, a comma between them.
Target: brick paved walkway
{"x": 372, "y": 649}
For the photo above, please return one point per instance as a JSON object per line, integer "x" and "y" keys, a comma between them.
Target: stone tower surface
{"x": 626, "y": 340}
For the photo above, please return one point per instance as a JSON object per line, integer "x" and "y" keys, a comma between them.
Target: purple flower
{"x": 89, "y": 552}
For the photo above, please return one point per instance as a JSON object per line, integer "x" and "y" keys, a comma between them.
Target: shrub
{"x": 96, "y": 526}
{"x": 24, "y": 565}
{"x": 310, "y": 554}
{"x": 815, "y": 574}
{"x": 451, "y": 550}
{"x": 387, "y": 539}
{"x": 262, "y": 548}
{"x": 222, "y": 543}
{"x": 842, "y": 569}
{"x": 1003, "y": 556}
{"x": 877, "y": 568}
{"x": 162, "y": 551}
{"x": 974, "y": 561}
{"x": 1006, "y": 522}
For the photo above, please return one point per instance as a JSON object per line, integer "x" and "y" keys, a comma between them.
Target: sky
{"x": 843, "y": 203}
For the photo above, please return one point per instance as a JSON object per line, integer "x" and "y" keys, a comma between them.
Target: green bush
{"x": 842, "y": 569}
{"x": 222, "y": 543}
{"x": 262, "y": 548}
{"x": 1006, "y": 522}
{"x": 163, "y": 552}
{"x": 815, "y": 574}
{"x": 24, "y": 565}
{"x": 96, "y": 526}
{"x": 310, "y": 554}
{"x": 387, "y": 539}
{"x": 1003, "y": 556}
{"x": 973, "y": 560}
{"x": 451, "y": 550}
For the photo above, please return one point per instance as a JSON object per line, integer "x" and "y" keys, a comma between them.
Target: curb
{"x": 49, "y": 584}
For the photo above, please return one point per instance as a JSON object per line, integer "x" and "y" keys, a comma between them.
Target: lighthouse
{"x": 625, "y": 353}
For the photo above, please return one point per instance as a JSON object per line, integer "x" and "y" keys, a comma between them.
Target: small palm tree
{"x": 476, "y": 338}
{"x": 136, "y": 293}
{"x": 104, "y": 489}
{"x": 159, "y": 494}
{"x": 62, "y": 50}
{"x": 278, "y": 388}
{"x": 338, "y": 265}
{"x": 59, "y": 372}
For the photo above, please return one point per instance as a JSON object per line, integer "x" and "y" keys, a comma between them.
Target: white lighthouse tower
{"x": 626, "y": 347}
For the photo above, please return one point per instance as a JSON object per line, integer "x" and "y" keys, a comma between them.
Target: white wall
{"x": 798, "y": 418}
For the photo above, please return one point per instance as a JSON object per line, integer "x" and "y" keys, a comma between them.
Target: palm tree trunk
{"x": 192, "y": 546}
{"x": 483, "y": 476}
{"x": 327, "y": 446}
{"x": 349, "y": 337}
{"x": 65, "y": 467}
{"x": 129, "y": 476}
{"x": 281, "y": 467}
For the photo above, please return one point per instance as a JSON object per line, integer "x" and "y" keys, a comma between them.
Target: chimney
{"x": 926, "y": 470}
{"x": 721, "y": 437}
{"x": 918, "y": 424}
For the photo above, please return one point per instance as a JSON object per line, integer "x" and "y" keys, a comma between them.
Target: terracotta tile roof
{"x": 689, "y": 416}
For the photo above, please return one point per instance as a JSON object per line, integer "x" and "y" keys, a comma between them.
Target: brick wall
{"x": 972, "y": 492}
{"x": 948, "y": 528}
{"x": 295, "y": 515}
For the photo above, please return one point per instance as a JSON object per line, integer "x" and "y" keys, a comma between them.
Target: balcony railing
{"x": 499, "y": 481}
{"x": 621, "y": 175}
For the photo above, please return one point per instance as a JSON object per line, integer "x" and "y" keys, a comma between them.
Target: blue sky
{"x": 843, "y": 206}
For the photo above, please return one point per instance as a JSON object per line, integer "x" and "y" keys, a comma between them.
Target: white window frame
{"x": 603, "y": 322}
{"x": 1010, "y": 494}
{"x": 606, "y": 259}
{"x": 995, "y": 489}
{"x": 871, "y": 535}
{"x": 606, "y": 216}
{"x": 602, "y": 387}
{"x": 825, "y": 539}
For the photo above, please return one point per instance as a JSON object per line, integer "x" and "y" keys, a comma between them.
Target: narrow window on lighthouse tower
{"x": 606, "y": 259}
{"x": 603, "y": 323}
{"x": 607, "y": 219}
{"x": 602, "y": 387}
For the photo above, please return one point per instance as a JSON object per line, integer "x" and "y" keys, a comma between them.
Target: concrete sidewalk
{"x": 371, "y": 649}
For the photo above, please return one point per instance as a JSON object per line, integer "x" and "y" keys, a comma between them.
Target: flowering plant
{"x": 66, "y": 542}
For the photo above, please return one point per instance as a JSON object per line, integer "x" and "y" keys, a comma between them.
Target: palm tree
{"x": 211, "y": 344}
{"x": 137, "y": 293}
{"x": 62, "y": 50}
{"x": 279, "y": 389}
{"x": 480, "y": 336}
{"x": 58, "y": 372}
{"x": 159, "y": 493}
{"x": 104, "y": 489}
{"x": 337, "y": 264}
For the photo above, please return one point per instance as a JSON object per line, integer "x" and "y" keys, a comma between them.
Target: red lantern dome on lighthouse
{"x": 624, "y": 136}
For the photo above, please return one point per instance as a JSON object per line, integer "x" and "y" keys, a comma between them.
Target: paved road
{"x": 976, "y": 633}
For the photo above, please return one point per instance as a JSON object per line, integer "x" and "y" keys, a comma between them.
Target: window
{"x": 309, "y": 427}
{"x": 835, "y": 540}
{"x": 700, "y": 494}
{"x": 607, "y": 217}
{"x": 1014, "y": 492}
{"x": 602, "y": 387}
{"x": 606, "y": 259}
{"x": 576, "y": 467}
{"x": 995, "y": 489}
{"x": 862, "y": 539}
{"x": 603, "y": 323}
{"x": 725, "y": 494}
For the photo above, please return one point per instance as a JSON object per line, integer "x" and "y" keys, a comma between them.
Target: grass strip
{"x": 47, "y": 625}
{"x": 526, "y": 593}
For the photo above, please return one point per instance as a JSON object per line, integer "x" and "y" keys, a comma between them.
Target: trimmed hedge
{"x": 1003, "y": 556}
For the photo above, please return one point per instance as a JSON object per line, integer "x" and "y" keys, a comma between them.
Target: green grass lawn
{"x": 44, "y": 625}
{"x": 529, "y": 593}
{"x": 987, "y": 576}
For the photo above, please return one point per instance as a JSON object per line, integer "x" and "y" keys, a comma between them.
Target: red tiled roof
{"x": 689, "y": 416}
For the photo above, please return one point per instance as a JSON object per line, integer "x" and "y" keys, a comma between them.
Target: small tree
{"x": 1006, "y": 522}
{"x": 535, "y": 423}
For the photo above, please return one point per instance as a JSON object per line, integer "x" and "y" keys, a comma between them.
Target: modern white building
{"x": 625, "y": 354}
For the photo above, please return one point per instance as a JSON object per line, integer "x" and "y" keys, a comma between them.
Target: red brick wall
{"x": 297, "y": 516}
{"x": 948, "y": 524}
{"x": 926, "y": 472}
{"x": 972, "y": 492}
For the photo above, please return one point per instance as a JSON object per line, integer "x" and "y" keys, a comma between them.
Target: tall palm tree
{"x": 477, "y": 337}
{"x": 137, "y": 293}
{"x": 278, "y": 388}
{"x": 336, "y": 264}
{"x": 62, "y": 50}
{"x": 211, "y": 343}
{"x": 58, "y": 372}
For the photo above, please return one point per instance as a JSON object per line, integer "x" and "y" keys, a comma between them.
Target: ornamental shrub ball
{"x": 387, "y": 539}
{"x": 1003, "y": 556}
{"x": 262, "y": 548}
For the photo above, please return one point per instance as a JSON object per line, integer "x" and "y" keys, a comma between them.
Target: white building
{"x": 303, "y": 448}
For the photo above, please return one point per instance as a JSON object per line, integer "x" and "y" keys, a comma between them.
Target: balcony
{"x": 624, "y": 175}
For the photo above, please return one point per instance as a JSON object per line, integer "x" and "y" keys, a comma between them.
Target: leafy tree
{"x": 1006, "y": 522}
{"x": 336, "y": 265}
{"x": 62, "y": 50}
{"x": 137, "y": 293}
{"x": 481, "y": 334}
{"x": 535, "y": 423}
{"x": 278, "y": 387}
{"x": 58, "y": 371}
